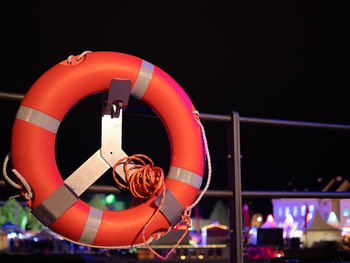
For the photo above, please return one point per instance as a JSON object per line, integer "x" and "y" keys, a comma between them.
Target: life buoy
{"x": 33, "y": 147}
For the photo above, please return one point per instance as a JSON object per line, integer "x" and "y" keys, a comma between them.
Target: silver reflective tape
{"x": 171, "y": 208}
{"x": 91, "y": 227}
{"x": 55, "y": 205}
{"x": 38, "y": 118}
{"x": 143, "y": 79}
{"x": 185, "y": 176}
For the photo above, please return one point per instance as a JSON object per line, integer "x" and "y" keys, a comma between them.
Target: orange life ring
{"x": 33, "y": 146}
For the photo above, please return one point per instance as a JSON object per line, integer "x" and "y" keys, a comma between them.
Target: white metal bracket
{"x": 111, "y": 140}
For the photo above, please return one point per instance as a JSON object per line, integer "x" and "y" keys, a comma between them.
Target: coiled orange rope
{"x": 145, "y": 180}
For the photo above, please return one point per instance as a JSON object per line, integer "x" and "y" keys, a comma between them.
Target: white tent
{"x": 319, "y": 230}
{"x": 288, "y": 226}
{"x": 270, "y": 222}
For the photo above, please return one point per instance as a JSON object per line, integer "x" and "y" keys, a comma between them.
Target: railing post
{"x": 234, "y": 183}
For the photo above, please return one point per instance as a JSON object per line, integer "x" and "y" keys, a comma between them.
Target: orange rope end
{"x": 187, "y": 220}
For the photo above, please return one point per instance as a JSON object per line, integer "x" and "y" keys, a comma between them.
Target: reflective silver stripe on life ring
{"x": 38, "y": 118}
{"x": 91, "y": 226}
{"x": 185, "y": 176}
{"x": 143, "y": 79}
{"x": 55, "y": 205}
{"x": 171, "y": 208}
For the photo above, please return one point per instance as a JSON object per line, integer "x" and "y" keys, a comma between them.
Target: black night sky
{"x": 266, "y": 59}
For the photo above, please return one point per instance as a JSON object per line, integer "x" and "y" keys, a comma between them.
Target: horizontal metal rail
{"x": 294, "y": 123}
{"x": 109, "y": 189}
{"x": 227, "y": 118}
{"x": 295, "y": 194}
{"x": 247, "y": 194}
{"x": 11, "y": 95}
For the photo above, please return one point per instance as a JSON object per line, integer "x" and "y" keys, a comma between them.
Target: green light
{"x": 24, "y": 222}
{"x": 345, "y": 213}
{"x": 110, "y": 199}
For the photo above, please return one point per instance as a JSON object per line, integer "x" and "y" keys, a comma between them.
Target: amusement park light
{"x": 332, "y": 217}
{"x": 269, "y": 218}
{"x": 308, "y": 217}
{"x": 110, "y": 199}
{"x": 24, "y": 222}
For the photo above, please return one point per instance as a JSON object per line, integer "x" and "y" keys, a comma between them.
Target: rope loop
{"x": 206, "y": 147}
{"x": 186, "y": 218}
{"x": 25, "y": 186}
{"x": 143, "y": 179}
{"x": 69, "y": 59}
